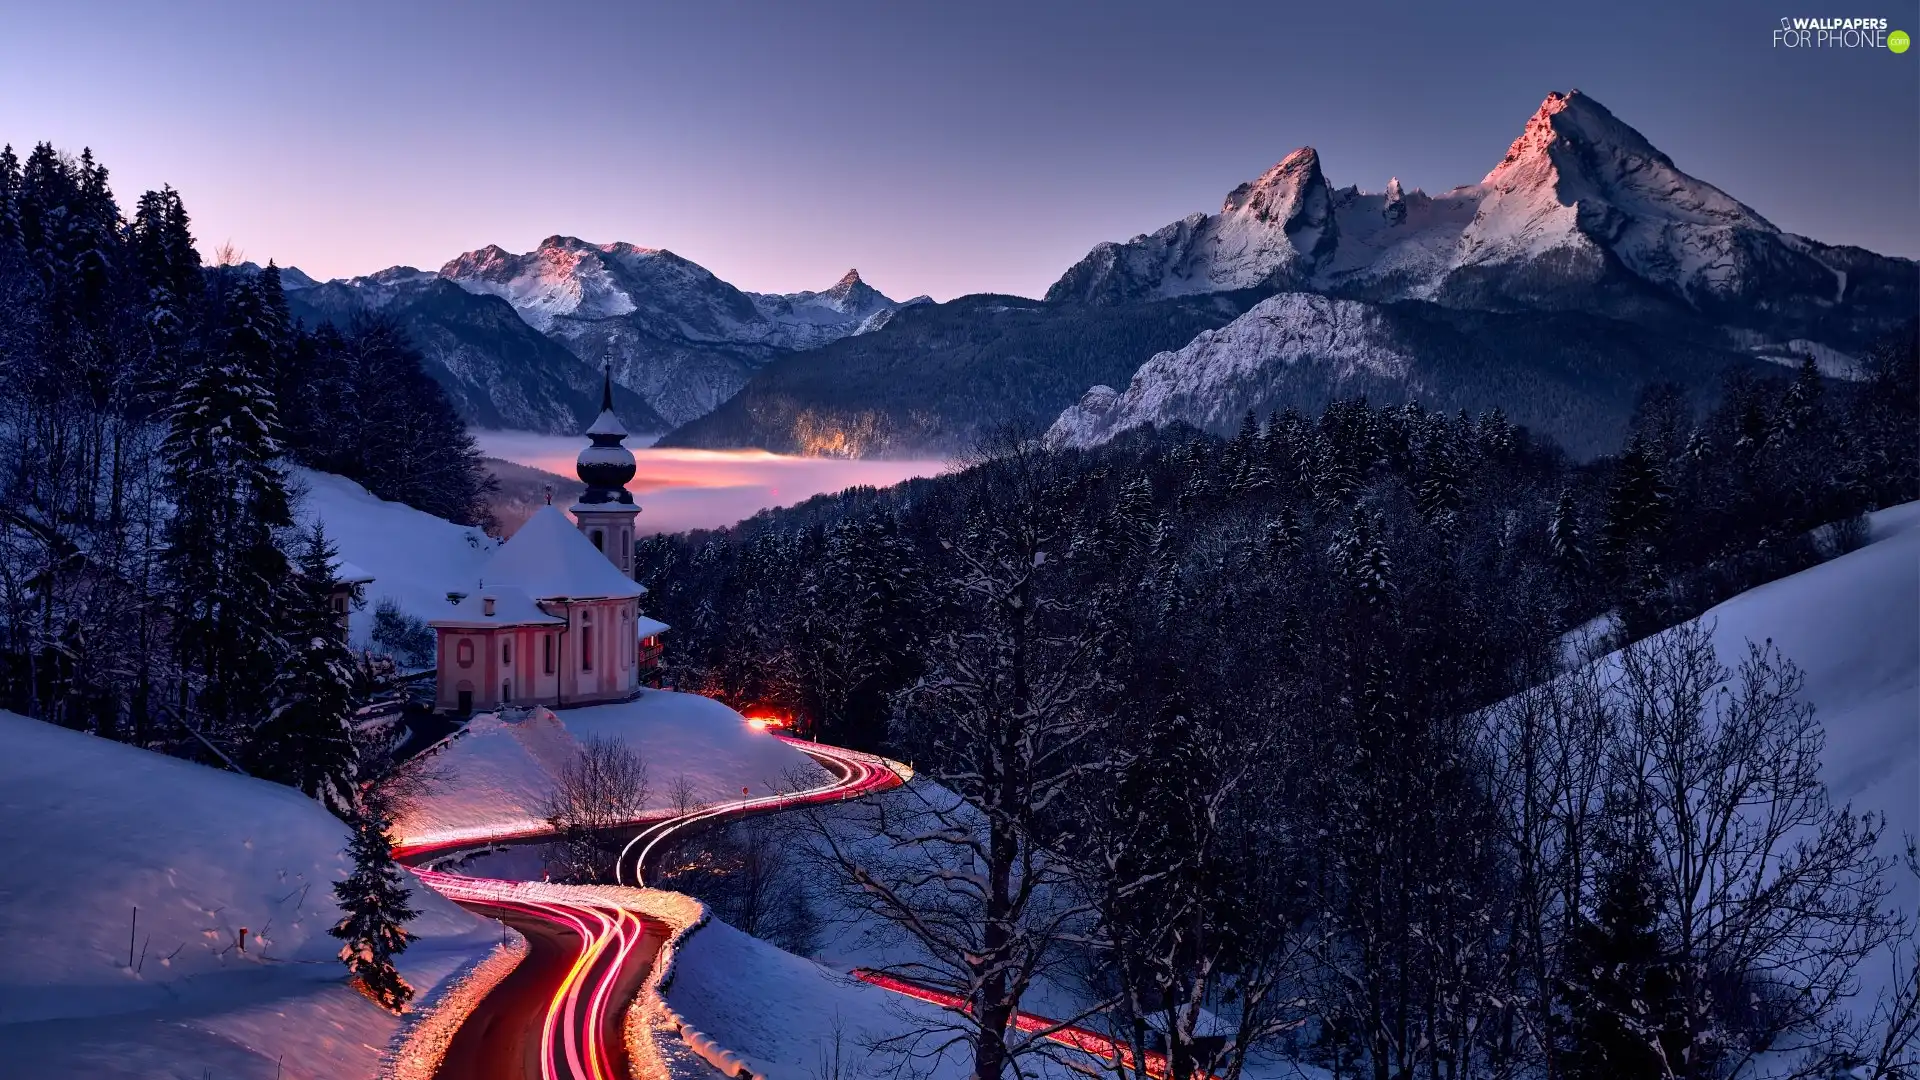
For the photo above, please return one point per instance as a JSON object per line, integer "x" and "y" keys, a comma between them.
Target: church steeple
{"x": 607, "y": 465}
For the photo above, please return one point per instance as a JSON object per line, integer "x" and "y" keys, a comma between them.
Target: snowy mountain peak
{"x": 1270, "y": 231}
{"x": 848, "y": 280}
{"x": 1278, "y": 191}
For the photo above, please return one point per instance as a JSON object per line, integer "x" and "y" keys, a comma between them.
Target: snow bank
{"x": 94, "y": 829}
{"x": 414, "y": 557}
{"x": 782, "y": 1014}
{"x": 495, "y": 776}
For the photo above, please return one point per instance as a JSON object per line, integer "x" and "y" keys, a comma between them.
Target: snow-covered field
{"x": 414, "y": 557}
{"x": 93, "y": 830}
{"x": 496, "y": 776}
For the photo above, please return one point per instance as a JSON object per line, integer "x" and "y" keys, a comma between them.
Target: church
{"x": 555, "y": 617}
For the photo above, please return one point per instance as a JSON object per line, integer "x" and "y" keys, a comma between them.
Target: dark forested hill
{"x": 938, "y": 374}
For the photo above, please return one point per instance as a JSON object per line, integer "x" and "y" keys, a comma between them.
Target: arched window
{"x": 599, "y": 540}
{"x": 586, "y": 640}
{"x": 506, "y": 652}
{"x": 548, "y": 638}
{"x": 464, "y": 653}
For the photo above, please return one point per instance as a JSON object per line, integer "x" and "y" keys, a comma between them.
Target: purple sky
{"x": 942, "y": 148}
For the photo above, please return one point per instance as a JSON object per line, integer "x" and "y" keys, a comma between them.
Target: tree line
{"x": 154, "y": 585}
{"x": 1292, "y": 741}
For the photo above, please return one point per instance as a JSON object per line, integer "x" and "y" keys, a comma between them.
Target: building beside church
{"x": 555, "y": 617}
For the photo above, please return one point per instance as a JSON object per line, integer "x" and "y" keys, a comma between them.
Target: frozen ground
{"x": 94, "y": 829}
{"x": 496, "y": 777}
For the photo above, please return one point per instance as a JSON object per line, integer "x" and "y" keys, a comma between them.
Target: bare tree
{"x": 601, "y": 789}
{"x": 970, "y": 864}
{"x": 1775, "y": 894}
{"x": 1194, "y": 870}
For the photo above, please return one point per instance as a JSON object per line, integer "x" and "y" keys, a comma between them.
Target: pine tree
{"x": 306, "y": 740}
{"x": 1618, "y": 985}
{"x": 1565, "y": 539}
{"x": 374, "y": 911}
{"x": 226, "y": 571}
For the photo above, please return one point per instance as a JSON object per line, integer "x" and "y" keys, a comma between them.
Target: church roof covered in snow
{"x": 495, "y": 605}
{"x": 646, "y": 628}
{"x": 549, "y": 559}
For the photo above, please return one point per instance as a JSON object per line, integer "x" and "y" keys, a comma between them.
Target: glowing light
{"x": 611, "y": 922}
{"x": 1079, "y": 1038}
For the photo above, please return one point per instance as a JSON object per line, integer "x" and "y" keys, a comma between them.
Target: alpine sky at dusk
{"x": 940, "y": 148}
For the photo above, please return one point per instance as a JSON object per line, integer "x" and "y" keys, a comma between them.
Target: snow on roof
{"x": 549, "y": 559}
{"x": 646, "y": 627}
{"x": 511, "y": 607}
{"x": 347, "y": 573}
{"x": 607, "y": 424}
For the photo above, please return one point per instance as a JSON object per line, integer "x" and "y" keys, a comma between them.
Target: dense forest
{"x": 155, "y": 586}
{"x": 1301, "y": 719}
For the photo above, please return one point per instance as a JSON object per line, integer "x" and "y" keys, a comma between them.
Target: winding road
{"x": 558, "y": 1015}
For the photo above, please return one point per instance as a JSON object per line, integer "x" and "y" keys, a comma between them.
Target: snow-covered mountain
{"x": 1581, "y": 217}
{"x": 1570, "y": 375}
{"x": 673, "y": 332}
{"x": 499, "y": 371}
{"x": 1582, "y": 213}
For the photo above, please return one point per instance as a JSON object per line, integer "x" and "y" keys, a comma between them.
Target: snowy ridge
{"x": 1582, "y": 212}
{"x": 1222, "y": 373}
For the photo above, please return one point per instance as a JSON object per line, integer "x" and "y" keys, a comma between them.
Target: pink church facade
{"x": 555, "y": 618}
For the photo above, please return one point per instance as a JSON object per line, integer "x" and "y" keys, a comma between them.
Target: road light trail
{"x": 578, "y": 1022}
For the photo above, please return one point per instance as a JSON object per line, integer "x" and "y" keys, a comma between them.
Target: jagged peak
{"x": 1293, "y": 174}
{"x": 848, "y": 280}
{"x": 1573, "y": 118}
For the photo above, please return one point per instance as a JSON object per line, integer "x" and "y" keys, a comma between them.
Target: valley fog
{"x": 679, "y": 489}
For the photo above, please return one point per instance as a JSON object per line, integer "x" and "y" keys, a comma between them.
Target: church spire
{"x": 606, "y": 465}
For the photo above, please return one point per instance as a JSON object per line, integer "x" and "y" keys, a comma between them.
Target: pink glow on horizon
{"x": 679, "y": 489}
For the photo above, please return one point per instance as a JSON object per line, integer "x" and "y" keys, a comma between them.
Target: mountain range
{"x": 1584, "y": 265}
{"x": 519, "y": 340}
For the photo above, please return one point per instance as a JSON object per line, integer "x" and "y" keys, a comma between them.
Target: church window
{"x": 464, "y": 652}
{"x": 586, "y": 641}
{"x": 599, "y": 540}
{"x": 549, "y": 651}
{"x": 506, "y": 652}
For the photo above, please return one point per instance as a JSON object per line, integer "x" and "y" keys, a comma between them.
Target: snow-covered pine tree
{"x": 1565, "y": 539}
{"x": 1617, "y": 981}
{"x": 306, "y": 740}
{"x": 226, "y": 571}
{"x": 374, "y": 911}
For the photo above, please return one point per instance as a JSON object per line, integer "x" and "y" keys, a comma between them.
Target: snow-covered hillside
{"x": 496, "y": 775}
{"x": 1222, "y": 373}
{"x": 94, "y": 830}
{"x": 1582, "y": 213}
{"x": 414, "y": 557}
{"x": 1852, "y": 626}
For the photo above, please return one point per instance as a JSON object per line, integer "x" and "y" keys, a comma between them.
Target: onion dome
{"x": 606, "y": 466}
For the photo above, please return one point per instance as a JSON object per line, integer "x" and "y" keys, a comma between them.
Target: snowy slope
{"x": 495, "y": 776}
{"x": 94, "y": 829}
{"x": 414, "y": 557}
{"x": 1222, "y": 373}
{"x": 1852, "y": 626}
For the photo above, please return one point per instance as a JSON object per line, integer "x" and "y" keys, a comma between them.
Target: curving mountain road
{"x": 557, "y": 1016}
